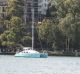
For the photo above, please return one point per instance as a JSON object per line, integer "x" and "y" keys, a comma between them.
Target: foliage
{"x": 60, "y": 30}
{"x": 66, "y": 29}
{"x": 26, "y": 41}
{"x": 45, "y": 30}
{"x": 15, "y": 8}
{"x": 7, "y": 38}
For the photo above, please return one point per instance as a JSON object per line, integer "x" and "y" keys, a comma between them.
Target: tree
{"x": 15, "y": 8}
{"x": 1, "y": 26}
{"x": 11, "y": 28}
{"x": 45, "y": 31}
{"x": 51, "y": 11}
{"x": 15, "y": 22}
{"x": 17, "y": 27}
{"x": 68, "y": 14}
{"x": 14, "y": 31}
{"x": 67, "y": 27}
{"x": 7, "y": 38}
{"x": 68, "y": 19}
{"x": 26, "y": 41}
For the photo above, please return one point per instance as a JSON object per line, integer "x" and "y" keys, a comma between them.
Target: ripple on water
{"x": 51, "y": 65}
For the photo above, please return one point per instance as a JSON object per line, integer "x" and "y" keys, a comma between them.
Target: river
{"x": 51, "y": 65}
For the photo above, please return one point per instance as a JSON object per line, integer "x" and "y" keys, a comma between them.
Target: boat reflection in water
{"x": 29, "y": 53}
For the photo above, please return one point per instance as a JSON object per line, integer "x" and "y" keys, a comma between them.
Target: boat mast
{"x": 32, "y": 24}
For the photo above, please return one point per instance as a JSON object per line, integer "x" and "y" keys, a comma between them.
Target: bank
{"x": 64, "y": 53}
{"x": 50, "y": 53}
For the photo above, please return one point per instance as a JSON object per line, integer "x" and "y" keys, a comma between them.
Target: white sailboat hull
{"x": 32, "y": 55}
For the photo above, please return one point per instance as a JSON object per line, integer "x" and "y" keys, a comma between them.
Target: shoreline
{"x": 50, "y": 53}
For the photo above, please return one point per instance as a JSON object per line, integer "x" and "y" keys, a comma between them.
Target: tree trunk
{"x": 67, "y": 44}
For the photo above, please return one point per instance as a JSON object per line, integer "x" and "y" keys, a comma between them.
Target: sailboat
{"x": 30, "y": 52}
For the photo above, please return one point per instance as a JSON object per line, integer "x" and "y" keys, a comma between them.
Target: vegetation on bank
{"x": 63, "y": 25}
{"x": 59, "y": 30}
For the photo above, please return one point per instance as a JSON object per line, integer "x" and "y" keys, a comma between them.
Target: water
{"x": 51, "y": 65}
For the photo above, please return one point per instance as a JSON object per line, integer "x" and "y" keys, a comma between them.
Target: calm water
{"x": 51, "y": 65}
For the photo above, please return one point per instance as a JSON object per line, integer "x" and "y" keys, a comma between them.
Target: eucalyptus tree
{"x": 68, "y": 19}
{"x": 67, "y": 26}
{"x": 45, "y": 31}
